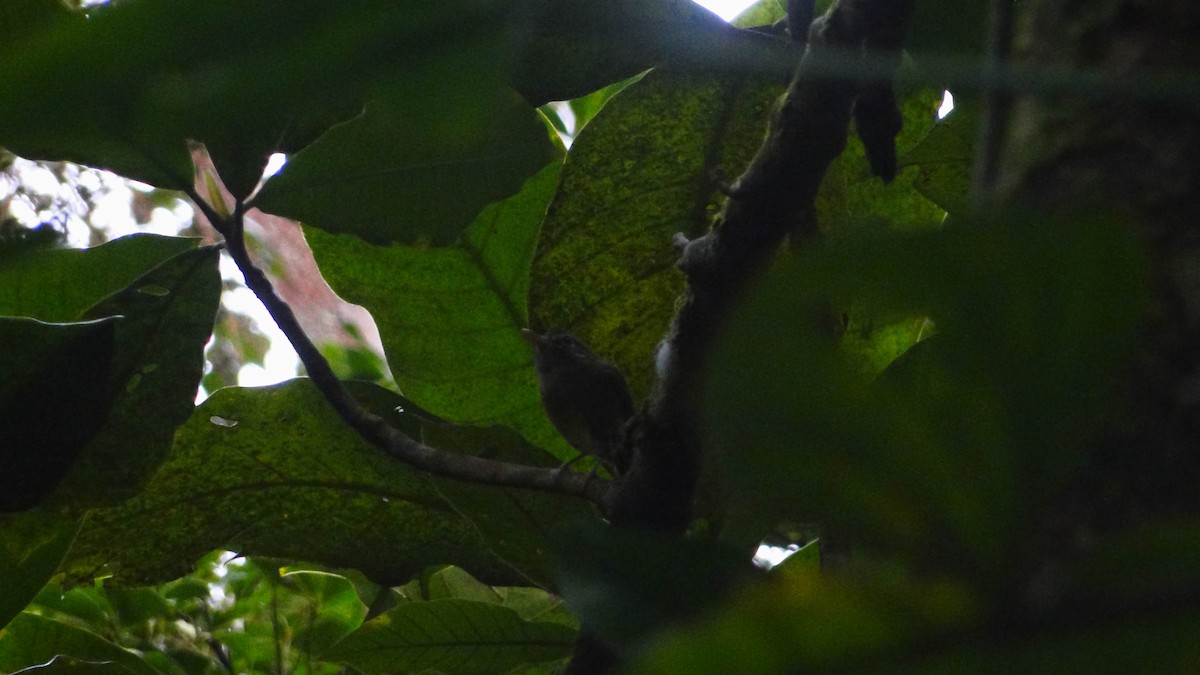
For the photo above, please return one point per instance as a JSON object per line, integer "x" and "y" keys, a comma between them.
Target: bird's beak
{"x": 531, "y": 337}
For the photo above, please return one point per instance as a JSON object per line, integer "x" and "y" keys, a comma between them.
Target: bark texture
{"x": 1132, "y": 153}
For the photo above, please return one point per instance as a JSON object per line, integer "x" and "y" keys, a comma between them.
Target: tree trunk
{"x": 1131, "y": 152}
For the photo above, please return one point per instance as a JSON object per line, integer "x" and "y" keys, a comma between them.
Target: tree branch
{"x": 371, "y": 427}
{"x": 807, "y": 131}
{"x": 774, "y": 196}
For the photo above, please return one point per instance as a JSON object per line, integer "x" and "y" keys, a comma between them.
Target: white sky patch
{"x": 274, "y": 163}
{"x": 726, "y": 9}
{"x": 769, "y": 556}
{"x": 947, "y": 104}
{"x": 280, "y": 362}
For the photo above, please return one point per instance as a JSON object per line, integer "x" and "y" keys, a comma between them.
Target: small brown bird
{"x": 585, "y": 397}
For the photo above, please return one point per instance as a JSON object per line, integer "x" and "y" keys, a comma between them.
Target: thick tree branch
{"x": 371, "y": 427}
{"x": 852, "y": 50}
{"x": 808, "y": 130}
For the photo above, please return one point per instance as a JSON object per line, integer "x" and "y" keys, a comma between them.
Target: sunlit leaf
{"x": 450, "y": 318}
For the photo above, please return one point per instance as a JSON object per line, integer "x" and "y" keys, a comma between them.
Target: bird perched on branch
{"x": 585, "y": 397}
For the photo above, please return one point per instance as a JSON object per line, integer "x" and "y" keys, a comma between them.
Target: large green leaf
{"x": 139, "y": 376}
{"x": 644, "y": 170}
{"x": 244, "y": 78}
{"x": 33, "y": 546}
{"x": 31, "y": 640}
{"x": 335, "y": 609}
{"x": 55, "y": 395}
{"x": 157, "y": 364}
{"x": 941, "y": 162}
{"x": 453, "y": 636}
{"x": 941, "y": 460}
{"x": 450, "y": 317}
{"x": 59, "y": 284}
{"x": 576, "y": 46}
{"x": 531, "y": 604}
{"x": 413, "y": 168}
{"x": 640, "y": 172}
{"x": 274, "y": 471}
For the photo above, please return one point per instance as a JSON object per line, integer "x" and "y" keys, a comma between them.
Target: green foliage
{"x": 34, "y": 547}
{"x": 251, "y": 615}
{"x": 453, "y": 342}
{"x": 604, "y": 267}
{"x": 59, "y": 284}
{"x": 139, "y": 347}
{"x": 852, "y": 200}
{"x": 144, "y": 80}
{"x": 384, "y": 175}
{"x": 947, "y": 459}
{"x": 261, "y": 470}
{"x": 53, "y": 400}
{"x": 939, "y": 429}
{"x": 577, "y": 46}
{"x": 453, "y": 636}
{"x": 942, "y": 159}
{"x": 31, "y": 639}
